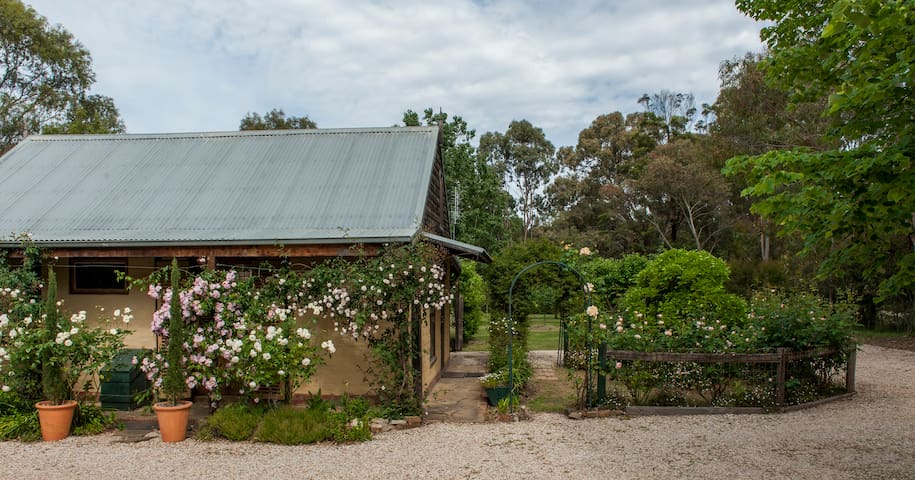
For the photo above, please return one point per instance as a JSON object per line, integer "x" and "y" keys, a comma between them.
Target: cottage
{"x": 105, "y": 203}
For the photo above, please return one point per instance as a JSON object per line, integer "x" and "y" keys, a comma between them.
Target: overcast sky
{"x": 184, "y": 66}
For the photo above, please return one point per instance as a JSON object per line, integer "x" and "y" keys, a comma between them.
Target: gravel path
{"x": 871, "y": 435}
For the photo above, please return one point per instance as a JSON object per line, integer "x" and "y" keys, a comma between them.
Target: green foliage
{"x": 854, "y": 200}
{"x": 53, "y": 72}
{"x": 511, "y": 260}
{"x": 610, "y": 278}
{"x": 527, "y": 159}
{"x": 483, "y": 202}
{"x": 747, "y": 277}
{"x": 801, "y": 321}
{"x": 19, "y": 419}
{"x": 275, "y": 120}
{"x": 90, "y": 419}
{"x": 509, "y": 403}
{"x": 89, "y": 114}
{"x": 234, "y": 422}
{"x": 587, "y": 200}
{"x": 474, "y": 293}
{"x": 796, "y": 322}
{"x": 43, "y": 353}
{"x": 319, "y": 421}
{"x": 20, "y": 425}
{"x": 54, "y": 385}
{"x": 294, "y": 426}
{"x": 173, "y": 384}
{"x": 347, "y": 427}
{"x": 681, "y": 284}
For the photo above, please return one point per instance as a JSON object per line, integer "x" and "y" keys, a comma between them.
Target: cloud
{"x": 201, "y": 65}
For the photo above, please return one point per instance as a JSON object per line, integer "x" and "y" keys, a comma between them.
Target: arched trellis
{"x": 511, "y": 329}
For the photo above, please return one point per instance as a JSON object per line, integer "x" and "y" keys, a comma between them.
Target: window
{"x": 97, "y": 275}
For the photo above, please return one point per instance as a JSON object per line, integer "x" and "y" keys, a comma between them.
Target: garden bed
{"x": 708, "y": 383}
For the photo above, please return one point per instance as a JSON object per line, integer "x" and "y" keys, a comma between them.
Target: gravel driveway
{"x": 871, "y": 435}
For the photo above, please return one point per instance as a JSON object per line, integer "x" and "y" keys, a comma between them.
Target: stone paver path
{"x": 458, "y": 395}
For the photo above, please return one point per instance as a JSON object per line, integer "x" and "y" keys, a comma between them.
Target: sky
{"x": 191, "y": 66}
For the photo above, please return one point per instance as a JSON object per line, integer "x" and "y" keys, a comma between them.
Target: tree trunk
{"x": 764, "y": 246}
{"x": 868, "y": 310}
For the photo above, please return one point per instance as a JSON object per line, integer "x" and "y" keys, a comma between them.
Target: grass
{"x": 342, "y": 421}
{"x": 542, "y": 335}
{"x": 861, "y": 333}
{"x": 480, "y": 341}
{"x": 549, "y": 394}
{"x": 294, "y": 426}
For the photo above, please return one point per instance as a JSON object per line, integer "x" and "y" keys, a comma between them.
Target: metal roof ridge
{"x": 230, "y": 134}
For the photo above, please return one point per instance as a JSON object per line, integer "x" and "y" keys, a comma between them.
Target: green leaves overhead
{"x": 854, "y": 200}
{"x": 46, "y": 79}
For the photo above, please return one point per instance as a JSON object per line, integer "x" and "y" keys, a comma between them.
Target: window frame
{"x": 116, "y": 263}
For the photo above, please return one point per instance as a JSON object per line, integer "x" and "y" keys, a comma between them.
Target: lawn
{"x": 543, "y": 335}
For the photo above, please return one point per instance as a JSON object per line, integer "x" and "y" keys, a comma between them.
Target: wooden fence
{"x": 779, "y": 361}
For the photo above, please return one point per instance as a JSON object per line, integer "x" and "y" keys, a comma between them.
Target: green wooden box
{"x": 122, "y": 380}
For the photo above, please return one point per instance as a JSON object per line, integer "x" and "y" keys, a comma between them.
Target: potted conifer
{"x": 173, "y": 413}
{"x": 55, "y": 413}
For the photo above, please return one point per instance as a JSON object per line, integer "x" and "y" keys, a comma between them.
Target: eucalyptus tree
{"x": 275, "y": 119}
{"x": 476, "y": 199}
{"x": 527, "y": 160}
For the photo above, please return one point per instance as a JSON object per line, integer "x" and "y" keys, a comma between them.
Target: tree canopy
{"x": 477, "y": 202}
{"x": 854, "y": 199}
{"x": 89, "y": 114}
{"x": 275, "y": 119}
{"x": 46, "y": 79}
{"x": 527, "y": 159}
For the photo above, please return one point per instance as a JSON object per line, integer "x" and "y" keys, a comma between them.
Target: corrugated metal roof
{"x": 293, "y": 186}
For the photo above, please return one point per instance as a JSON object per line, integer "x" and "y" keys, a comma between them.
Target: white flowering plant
{"x": 44, "y": 352}
{"x": 678, "y": 305}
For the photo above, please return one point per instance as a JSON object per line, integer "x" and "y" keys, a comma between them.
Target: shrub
{"x": 801, "y": 321}
{"x": 90, "y": 419}
{"x": 19, "y": 419}
{"x": 682, "y": 284}
{"x": 610, "y": 277}
{"x": 349, "y": 428}
{"x": 235, "y": 422}
{"x": 294, "y": 426}
{"x": 474, "y": 294}
{"x": 797, "y": 322}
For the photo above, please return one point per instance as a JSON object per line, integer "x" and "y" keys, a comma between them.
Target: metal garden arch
{"x": 511, "y": 327}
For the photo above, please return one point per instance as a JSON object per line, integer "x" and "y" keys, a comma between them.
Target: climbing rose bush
{"x": 256, "y": 333}
{"x": 238, "y": 336}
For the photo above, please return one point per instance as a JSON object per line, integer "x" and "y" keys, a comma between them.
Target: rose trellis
{"x": 252, "y": 334}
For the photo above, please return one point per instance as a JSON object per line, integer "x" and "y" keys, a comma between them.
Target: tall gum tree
{"x": 527, "y": 160}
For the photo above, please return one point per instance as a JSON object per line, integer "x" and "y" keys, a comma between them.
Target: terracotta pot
{"x": 173, "y": 420}
{"x": 55, "y": 420}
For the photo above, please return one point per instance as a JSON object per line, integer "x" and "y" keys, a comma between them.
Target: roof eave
{"x": 210, "y": 243}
